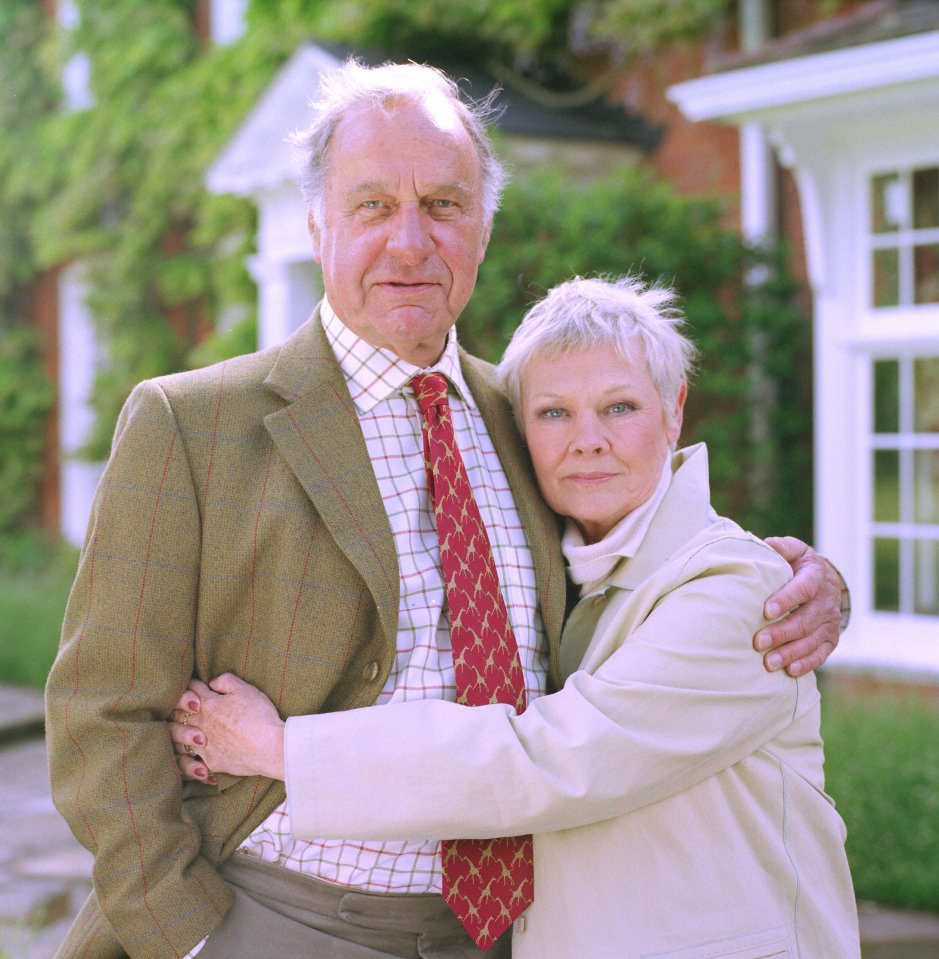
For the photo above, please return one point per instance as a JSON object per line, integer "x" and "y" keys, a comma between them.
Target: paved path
{"x": 45, "y": 873}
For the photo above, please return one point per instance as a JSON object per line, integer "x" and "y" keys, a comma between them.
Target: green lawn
{"x": 882, "y": 768}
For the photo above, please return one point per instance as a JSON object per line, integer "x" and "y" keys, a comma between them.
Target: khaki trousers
{"x": 282, "y": 914}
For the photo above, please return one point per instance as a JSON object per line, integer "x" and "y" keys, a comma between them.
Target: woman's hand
{"x": 808, "y": 635}
{"x": 227, "y": 726}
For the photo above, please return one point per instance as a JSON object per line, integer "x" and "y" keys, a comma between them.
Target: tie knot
{"x": 430, "y": 390}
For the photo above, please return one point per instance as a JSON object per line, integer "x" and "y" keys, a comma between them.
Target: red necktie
{"x": 486, "y": 882}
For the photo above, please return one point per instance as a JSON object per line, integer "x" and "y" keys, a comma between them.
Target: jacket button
{"x": 370, "y": 672}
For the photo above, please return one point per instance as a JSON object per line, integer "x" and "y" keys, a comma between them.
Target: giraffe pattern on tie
{"x": 488, "y": 883}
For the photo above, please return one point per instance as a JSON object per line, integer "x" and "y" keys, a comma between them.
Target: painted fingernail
{"x": 773, "y": 661}
{"x": 763, "y": 641}
{"x": 199, "y": 739}
{"x": 212, "y": 781}
{"x": 201, "y": 772}
{"x": 193, "y": 705}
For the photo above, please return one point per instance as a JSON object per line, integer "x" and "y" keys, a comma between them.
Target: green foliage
{"x": 240, "y": 338}
{"x": 35, "y": 578}
{"x": 25, "y": 392}
{"x": 882, "y": 767}
{"x": 534, "y": 37}
{"x": 646, "y": 24}
{"x": 26, "y": 396}
{"x": 504, "y": 31}
{"x": 550, "y": 229}
{"x": 28, "y": 96}
{"x": 120, "y": 185}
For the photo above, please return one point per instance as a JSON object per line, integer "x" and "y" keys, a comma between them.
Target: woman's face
{"x": 598, "y": 434}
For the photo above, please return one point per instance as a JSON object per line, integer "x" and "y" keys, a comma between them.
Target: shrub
{"x": 35, "y": 577}
{"x": 26, "y": 396}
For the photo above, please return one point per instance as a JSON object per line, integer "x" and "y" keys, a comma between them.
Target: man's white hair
{"x": 383, "y": 86}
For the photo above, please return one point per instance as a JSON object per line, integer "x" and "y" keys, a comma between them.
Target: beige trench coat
{"x": 675, "y": 788}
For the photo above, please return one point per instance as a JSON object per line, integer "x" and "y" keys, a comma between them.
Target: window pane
{"x": 887, "y": 203}
{"x": 926, "y": 273}
{"x": 927, "y": 577}
{"x": 926, "y": 492}
{"x": 926, "y": 405}
{"x": 886, "y": 290}
{"x": 886, "y": 396}
{"x": 886, "y": 486}
{"x": 887, "y": 574}
{"x": 926, "y": 198}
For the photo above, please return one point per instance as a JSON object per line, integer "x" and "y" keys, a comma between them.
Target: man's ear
{"x": 484, "y": 240}
{"x": 314, "y": 235}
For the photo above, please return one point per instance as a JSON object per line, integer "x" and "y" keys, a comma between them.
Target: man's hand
{"x": 809, "y": 633}
{"x": 228, "y": 726}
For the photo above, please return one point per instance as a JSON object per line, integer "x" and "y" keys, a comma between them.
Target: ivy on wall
{"x": 121, "y": 186}
{"x": 26, "y": 394}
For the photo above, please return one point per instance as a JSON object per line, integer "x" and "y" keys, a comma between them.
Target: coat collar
{"x": 685, "y": 511}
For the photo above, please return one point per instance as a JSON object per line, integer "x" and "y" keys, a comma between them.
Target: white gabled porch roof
{"x": 836, "y": 82}
{"x": 258, "y": 157}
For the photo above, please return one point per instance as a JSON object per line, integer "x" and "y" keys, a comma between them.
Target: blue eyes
{"x": 437, "y": 204}
{"x": 615, "y": 409}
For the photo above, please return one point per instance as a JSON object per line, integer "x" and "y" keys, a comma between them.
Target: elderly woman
{"x": 674, "y": 787}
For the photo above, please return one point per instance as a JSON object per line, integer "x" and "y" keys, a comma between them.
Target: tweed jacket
{"x": 238, "y": 526}
{"x": 675, "y": 788}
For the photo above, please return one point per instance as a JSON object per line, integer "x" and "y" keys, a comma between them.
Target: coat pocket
{"x": 765, "y": 944}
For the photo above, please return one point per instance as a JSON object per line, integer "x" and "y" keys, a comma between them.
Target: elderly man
{"x": 269, "y": 516}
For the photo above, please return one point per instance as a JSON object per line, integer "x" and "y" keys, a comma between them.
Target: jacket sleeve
{"x": 682, "y": 697}
{"x": 125, "y": 658}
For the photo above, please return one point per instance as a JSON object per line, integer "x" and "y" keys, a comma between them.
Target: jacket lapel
{"x": 319, "y": 436}
{"x": 540, "y": 523}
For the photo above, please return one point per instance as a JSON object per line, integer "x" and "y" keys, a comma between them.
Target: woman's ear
{"x": 675, "y": 416}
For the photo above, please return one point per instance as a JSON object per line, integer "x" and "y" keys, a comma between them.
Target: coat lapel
{"x": 319, "y": 436}
{"x": 685, "y": 511}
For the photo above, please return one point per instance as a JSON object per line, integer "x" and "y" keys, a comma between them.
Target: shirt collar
{"x": 373, "y": 373}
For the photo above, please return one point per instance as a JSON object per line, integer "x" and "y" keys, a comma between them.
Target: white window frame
{"x": 903, "y": 333}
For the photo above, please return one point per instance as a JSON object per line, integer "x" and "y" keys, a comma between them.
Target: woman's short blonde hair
{"x": 604, "y": 314}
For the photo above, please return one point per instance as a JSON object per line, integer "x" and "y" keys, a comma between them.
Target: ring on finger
{"x": 189, "y": 750}
{"x": 184, "y": 719}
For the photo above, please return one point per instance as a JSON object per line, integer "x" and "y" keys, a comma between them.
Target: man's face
{"x": 403, "y": 231}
